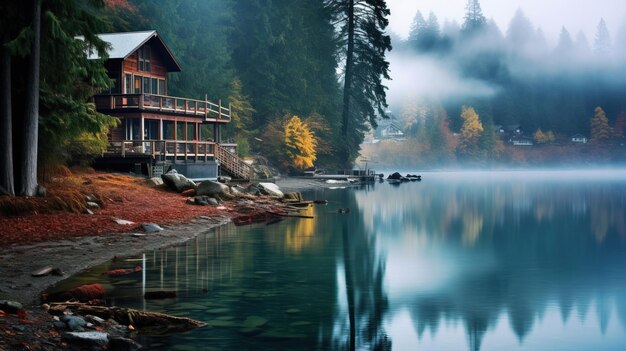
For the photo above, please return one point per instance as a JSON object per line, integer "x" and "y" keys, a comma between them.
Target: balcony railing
{"x": 167, "y": 104}
{"x": 174, "y": 150}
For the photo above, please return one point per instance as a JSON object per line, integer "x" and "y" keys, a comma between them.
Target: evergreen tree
{"x": 488, "y": 139}
{"x": 600, "y": 130}
{"x": 52, "y": 100}
{"x": 364, "y": 44}
{"x": 424, "y": 35}
{"x": 433, "y": 30}
{"x": 620, "y": 40}
{"x": 68, "y": 118}
{"x": 520, "y": 34}
{"x": 474, "y": 19}
{"x": 241, "y": 112}
{"x": 565, "y": 46}
{"x": 602, "y": 42}
{"x": 418, "y": 26}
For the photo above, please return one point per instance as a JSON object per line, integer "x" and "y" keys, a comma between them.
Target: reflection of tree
{"x": 364, "y": 273}
{"x": 472, "y": 227}
{"x": 300, "y": 234}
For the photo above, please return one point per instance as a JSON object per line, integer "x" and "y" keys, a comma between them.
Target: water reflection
{"x": 478, "y": 262}
{"x": 483, "y": 253}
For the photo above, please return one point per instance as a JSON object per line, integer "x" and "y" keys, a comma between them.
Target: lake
{"x": 459, "y": 261}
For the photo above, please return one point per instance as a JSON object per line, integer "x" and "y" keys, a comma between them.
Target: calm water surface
{"x": 460, "y": 261}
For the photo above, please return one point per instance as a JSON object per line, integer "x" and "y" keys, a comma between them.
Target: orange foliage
{"x": 60, "y": 215}
{"x": 120, "y": 4}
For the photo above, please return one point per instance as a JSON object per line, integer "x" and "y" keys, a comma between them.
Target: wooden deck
{"x": 208, "y": 111}
{"x": 177, "y": 151}
{"x": 163, "y": 150}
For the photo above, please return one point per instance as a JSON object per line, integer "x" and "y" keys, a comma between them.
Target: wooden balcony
{"x": 208, "y": 111}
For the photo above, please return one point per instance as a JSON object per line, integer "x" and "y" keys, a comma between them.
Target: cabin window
{"x": 162, "y": 87}
{"x": 137, "y": 85}
{"x": 128, "y": 83}
{"x": 132, "y": 129}
{"x": 180, "y": 130}
{"x": 146, "y": 85}
{"x": 168, "y": 130}
{"x": 143, "y": 59}
{"x": 152, "y": 129}
{"x": 191, "y": 131}
{"x": 155, "y": 86}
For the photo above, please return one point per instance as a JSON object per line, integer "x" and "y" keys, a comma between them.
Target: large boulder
{"x": 177, "y": 181}
{"x": 271, "y": 189}
{"x": 395, "y": 176}
{"x": 154, "y": 182}
{"x": 211, "y": 188}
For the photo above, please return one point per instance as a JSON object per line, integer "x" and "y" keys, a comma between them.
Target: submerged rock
{"x": 254, "y": 322}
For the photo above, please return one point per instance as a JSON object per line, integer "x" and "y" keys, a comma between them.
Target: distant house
{"x": 513, "y": 129}
{"x": 579, "y": 139}
{"x": 522, "y": 141}
{"x": 391, "y": 131}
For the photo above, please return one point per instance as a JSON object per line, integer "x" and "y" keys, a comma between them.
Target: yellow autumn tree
{"x": 300, "y": 143}
{"x": 470, "y": 132}
{"x": 600, "y": 130}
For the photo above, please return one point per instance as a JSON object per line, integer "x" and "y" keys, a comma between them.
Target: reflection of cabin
{"x": 579, "y": 139}
{"x": 390, "y": 130}
{"x": 156, "y": 129}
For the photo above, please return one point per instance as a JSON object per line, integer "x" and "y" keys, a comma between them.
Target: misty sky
{"x": 550, "y": 15}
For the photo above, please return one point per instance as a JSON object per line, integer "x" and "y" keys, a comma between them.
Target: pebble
{"x": 10, "y": 306}
{"x": 74, "y": 322}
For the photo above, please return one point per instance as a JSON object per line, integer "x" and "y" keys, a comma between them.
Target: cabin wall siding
{"x": 157, "y": 69}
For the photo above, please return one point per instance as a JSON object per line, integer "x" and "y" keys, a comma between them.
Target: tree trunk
{"x": 28, "y": 161}
{"x": 7, "y": 186}
{"x": 348, "y": 78}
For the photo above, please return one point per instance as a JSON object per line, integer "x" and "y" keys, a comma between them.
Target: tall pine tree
{"x": 364, "y": 43}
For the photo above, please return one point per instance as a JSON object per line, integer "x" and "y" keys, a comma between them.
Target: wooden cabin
{"x": 159, "y": 131}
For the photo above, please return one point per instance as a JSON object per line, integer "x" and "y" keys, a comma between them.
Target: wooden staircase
{"x": 233, "y": 164}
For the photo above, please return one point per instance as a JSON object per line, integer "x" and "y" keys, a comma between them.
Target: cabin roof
{"x": 125, "y": 44}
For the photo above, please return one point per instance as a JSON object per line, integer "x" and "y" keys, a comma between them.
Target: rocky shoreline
{"x": 35, "y": 328}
